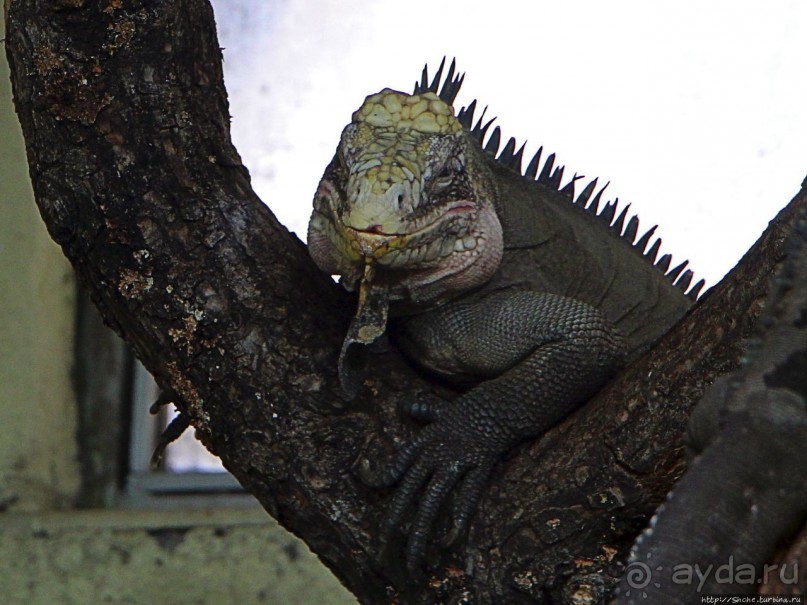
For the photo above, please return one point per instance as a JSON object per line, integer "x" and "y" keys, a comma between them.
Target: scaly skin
{"x": 491, "y": 278}
{"x": 370, "y": 203}
{"x": 746, "y": 491}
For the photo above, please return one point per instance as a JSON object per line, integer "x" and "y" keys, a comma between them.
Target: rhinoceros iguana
{"x": 498, "y": 280}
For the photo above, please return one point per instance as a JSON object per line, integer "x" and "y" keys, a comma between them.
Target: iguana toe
{"x": 391, "y": 471}
{"x": 423, "y": 409}
{"x": 435, "y": 493}
{"x": 174, "y": 429}
{"x": 468, "y": 496}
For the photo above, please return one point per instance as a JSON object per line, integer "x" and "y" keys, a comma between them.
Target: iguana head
{"x": 406, "y": 202}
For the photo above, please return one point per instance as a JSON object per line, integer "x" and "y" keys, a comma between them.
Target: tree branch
{"x": 127, "y": 131}
{"x": 746, "y": 492}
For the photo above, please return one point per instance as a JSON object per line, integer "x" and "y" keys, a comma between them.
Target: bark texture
{"x": 127, "y": 129}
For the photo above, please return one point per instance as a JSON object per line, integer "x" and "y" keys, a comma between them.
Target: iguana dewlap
{"x": 488, "y": 276}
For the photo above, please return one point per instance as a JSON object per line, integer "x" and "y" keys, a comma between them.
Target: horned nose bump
{"x": 371, "y": 219}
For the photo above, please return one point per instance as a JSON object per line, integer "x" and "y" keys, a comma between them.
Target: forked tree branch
{"x": 126, "y": 123}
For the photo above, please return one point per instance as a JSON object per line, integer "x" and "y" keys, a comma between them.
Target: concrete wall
{"x": 51, "y": 554}
{"x": 176, "y": 558}
{"x": 38, "y": 460}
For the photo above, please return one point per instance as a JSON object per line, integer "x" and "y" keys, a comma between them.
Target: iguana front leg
{"x": 538, "y": 355}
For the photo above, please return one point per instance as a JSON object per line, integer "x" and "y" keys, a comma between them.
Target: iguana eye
{"x": 442, "y": 181}
{"x": 326, "y": 198}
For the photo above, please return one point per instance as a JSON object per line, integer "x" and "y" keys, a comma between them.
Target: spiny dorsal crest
{"x": 550, "y": 175}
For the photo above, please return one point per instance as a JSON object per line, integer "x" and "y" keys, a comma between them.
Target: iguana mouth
{"x": 447, "y": 231}
{"x": 419, "y": 221}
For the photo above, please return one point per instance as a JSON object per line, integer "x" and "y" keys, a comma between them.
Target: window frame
{"x": 117, "y": 433}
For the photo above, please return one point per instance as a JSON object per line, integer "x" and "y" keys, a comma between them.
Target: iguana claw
{"x": 172, "y": 432}
{"x": 434, "y": 463}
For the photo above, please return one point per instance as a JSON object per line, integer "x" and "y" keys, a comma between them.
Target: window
{"x": 187, "y": 475}
{"x": 118, "y": 434}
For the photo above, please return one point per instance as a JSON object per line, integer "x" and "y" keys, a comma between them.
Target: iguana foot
{"x": 172, "y": 432}
{"x": 446, "y": 457}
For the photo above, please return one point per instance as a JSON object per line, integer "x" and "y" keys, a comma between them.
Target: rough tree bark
{"x": 127, "y": 129}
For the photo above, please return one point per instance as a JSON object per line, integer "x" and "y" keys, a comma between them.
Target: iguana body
{"x": 490, "y": 277}
{"x": 746, "y": 492}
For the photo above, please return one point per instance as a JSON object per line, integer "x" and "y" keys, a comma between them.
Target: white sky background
{"x": 694, "y": 111}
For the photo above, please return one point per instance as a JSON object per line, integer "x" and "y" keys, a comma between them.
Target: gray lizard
{"x": 746, "y": 492}
{"x": 499, "y": 281}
